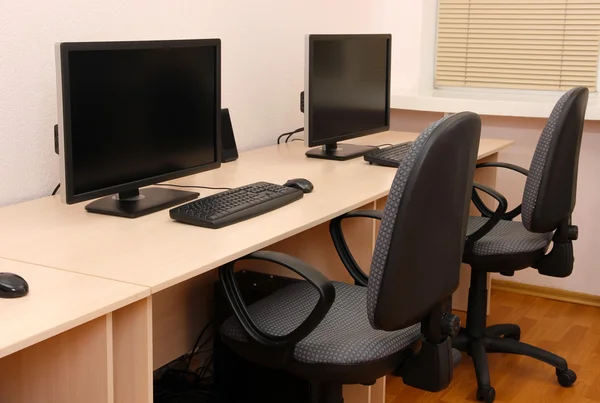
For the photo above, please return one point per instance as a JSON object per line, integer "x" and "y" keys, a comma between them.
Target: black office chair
{"x": 333, "y": 333}
{"x": 497, "y": 244}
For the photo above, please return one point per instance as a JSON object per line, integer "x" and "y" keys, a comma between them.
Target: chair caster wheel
{"x": 566, "y": 377}
{"x": 486, "y": 395}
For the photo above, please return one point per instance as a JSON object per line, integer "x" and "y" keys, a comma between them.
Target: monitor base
{"x": 339, "y": 152}
{"x": 138, "y": 203}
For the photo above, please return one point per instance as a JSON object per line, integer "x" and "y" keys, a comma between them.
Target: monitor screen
{"x": 348, "y": 86}
{"x": 138, "y": 113}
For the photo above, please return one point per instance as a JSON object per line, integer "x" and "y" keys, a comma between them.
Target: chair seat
{"x": 345, "y": 335}
{"x": 506, "y": 238}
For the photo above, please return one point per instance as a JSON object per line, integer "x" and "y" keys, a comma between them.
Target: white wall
{"x": 404, "y": 19}
{"x": 262, "y": 64}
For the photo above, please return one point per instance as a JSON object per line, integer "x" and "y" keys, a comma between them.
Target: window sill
{"x": 487, "y": 103}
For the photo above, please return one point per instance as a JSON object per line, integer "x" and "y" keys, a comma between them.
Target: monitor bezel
{"x": 63, "y": 51}
{"x": 310, "y": 40}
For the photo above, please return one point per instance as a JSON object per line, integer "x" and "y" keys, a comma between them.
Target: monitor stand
{"x": 339, "y": 152}
{"x": 136, "y": 203}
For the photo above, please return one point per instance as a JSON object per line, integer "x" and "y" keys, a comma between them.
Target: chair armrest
{"x": 506, "y": 165}
{"x": 481, "y": 205}
{"x": 309, "y": 273}
{"x": 493, "y": 220}
{"x": 337, "y": 235}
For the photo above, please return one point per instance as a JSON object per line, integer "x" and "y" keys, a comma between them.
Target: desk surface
{"x": 58, "y": 300}
{"x": 156, "y": 252}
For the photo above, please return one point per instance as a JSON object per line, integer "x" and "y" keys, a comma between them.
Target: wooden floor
{"x": 569, "y": 330}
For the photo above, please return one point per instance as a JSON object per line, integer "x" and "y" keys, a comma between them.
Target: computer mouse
{"x": 12, "y": 286}
{"x": 299, "y": 183}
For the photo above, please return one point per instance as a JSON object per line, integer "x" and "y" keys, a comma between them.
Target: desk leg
{"x": 132, "y": 349}
{"x": 178, "y": 315}
{"x": 357, "y": 394}
{"x": 72, "y": 367}
{"x": 378, "y": 391}
{"x": 486, "y": 177}
{"x": 365, "y": 394}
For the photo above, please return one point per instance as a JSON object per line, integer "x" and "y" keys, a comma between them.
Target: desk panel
{"x": 72, "y": 367}
{"x": 57, "y": 343}
{"x": 57, "y": 301}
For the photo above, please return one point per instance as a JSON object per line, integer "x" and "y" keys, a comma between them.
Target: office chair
{"x": 497, "y": 244}
{"x": 333, "y": 333}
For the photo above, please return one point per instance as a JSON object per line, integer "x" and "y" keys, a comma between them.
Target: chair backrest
{"x": 549, "y": 195}
{"x": 419, "y": 247}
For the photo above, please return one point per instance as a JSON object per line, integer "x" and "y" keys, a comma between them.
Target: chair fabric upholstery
{"x": 345, "y": 335}
{"x": 540, "y": 156}
{"x": 506, "y": 238}
{"x": 384, "y": 237}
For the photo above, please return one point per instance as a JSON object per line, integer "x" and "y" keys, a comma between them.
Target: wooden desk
{"x": 58, "y": 344}
{"x": 177, "y": 261}
{"x": 156, "y": 252}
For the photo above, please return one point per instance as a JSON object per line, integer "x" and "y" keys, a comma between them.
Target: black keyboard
{"x": 389, "y": 156}
{"x": 235, "y": 205}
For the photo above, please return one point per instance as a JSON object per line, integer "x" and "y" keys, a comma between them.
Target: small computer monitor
{"x": 346, "y": 93}
{"x": 133, "y": 114}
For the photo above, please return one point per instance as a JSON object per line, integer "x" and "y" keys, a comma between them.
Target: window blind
{"x": 533, "y": 44}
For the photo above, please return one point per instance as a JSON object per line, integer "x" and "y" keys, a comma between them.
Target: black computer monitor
{"x": 132, "y": 114}
{"x": 346, "y": 93}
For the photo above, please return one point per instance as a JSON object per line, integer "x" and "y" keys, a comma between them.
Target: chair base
{"x": 477, "y": 340}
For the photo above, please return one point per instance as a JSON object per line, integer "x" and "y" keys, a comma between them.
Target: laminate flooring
{"x": 569, "y": 330}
